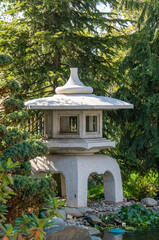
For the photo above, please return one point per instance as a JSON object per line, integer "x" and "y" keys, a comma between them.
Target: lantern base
{"x": 76, "y": 170}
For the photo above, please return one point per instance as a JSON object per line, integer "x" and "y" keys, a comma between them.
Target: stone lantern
{"x": 73, "y": 134}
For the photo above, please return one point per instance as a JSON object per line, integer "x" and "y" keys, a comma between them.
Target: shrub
{"x": 24, "y": 151}
{"x": 11, "y": 105}
{"x": 138, "y": 186}
{"x": 31, "y": 194}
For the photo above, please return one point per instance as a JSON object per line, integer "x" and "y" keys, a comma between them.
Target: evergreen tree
{"x": 51, "y": 35}
{"x": 138, "y": 148}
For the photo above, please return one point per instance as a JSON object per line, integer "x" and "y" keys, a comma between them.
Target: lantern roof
{"x": 75, "y": 95}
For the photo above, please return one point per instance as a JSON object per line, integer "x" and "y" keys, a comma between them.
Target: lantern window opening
{"x": 69, "y": 124}
{"x": 91, "y": 123}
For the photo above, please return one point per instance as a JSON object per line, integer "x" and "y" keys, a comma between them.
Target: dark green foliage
{"x": 11, "y": 105}
{"x": 2, "y": 131}
{"x": 138, "y": 129}
{"x": 5, "y": 60}
{"x": 11, "y": 136}
{"x": 24, "y": 169}
{"x": 9, "y": 86}
{"x": 31, "y": 193}
{"x": 95, "y": 186}
{"x": 24, "y": 151}
{"x": 3, "y": 211}
{"x": 137, "y": 215}
{"x": 96, "y": 192}
{"x": 16, "y": 117}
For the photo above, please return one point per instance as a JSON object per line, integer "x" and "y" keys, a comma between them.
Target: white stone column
{"x": 109, "y": 187}
{"x": 76, "y": 185}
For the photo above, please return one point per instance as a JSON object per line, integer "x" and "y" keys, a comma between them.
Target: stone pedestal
{"x": 76, "y": 170}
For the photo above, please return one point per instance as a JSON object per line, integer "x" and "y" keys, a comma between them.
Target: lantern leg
{"x": 76, "y": 190}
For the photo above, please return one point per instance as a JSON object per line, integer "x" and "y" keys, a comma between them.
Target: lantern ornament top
{"x": 74, "y": 85}
{"x": 75, "y": 95}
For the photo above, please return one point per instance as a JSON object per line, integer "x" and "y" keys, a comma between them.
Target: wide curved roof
{"x": 75, "y": 95}
{"x": 78, "y": 101}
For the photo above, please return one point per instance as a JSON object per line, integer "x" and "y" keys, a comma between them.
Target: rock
{"x": 92, "y": 231}
{"x": 110, "y": 225}
{"x": 54, "y": 228}
{"x": 102, "y": 214}
{"x": 127, "y": 203}
{"x": 116, "y": 209}
{"x": 70, "y": 233}
{"x": 85, "y": 210}
{"x": 149, "y": 202}
{"x": 93, "y": 219}
{"x": 95, "y": 238}
{"x": 69, "y": 216}
{"x": 100, "y": 209}
{"x": 62, "y": 213}
{"x": 86, "y": 223}
{"x": 74, "y": 212}
{"x": 117, "y": 220}
{"x": 71, "y": 222}
{"x": 156, "y": 208}
{"x": 59, "y": 221}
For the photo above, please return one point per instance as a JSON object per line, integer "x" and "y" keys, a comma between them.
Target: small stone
{"x": 117, "y": 220}
{"x": 149, "y": 202}
{"x": 87, "y": 224}
{"x": 85, "y": 210}
{"x": 110, "y": 225}
{"x": 156, "y": 208}
{"x": 100, "y": 209}
{"x": 95, "y": 238}
{"x": 93, "y": 219}
{"x": 69, "y": 216}
{"x": 116, "y": 209}
{"x": 102, "y": 214}
{"x": 127, "y": 203}
{"x": 74, "y": 212}
{"x": 59, "y": 221}
{"x": 92, "y": 231}
{"x": 62, "y": 213}
{"x": 53, "y": 228}
{"x": 102, "y": 224}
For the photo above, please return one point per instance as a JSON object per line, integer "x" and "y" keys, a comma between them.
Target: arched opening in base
{"x": 61, "y": 185}
{"x": 59, "y": 178}
{"x": 101, "y": 186}
{"x": 95, "y": 186}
